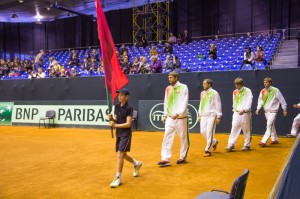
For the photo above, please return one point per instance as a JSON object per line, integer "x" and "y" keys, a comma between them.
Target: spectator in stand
{"x": 126, "y": 65}
{"x": 40, "y": 74}
{"x": 168, "y": 64}
{"x": 95, "y": 55}
{"x": 93, "y": 65}
{"x": 85, "y": 65}
{"x": 2, "y": 62}
{"x": 123, "y": 49}
{"x": 14, "y": 72}
{"x": 52, "y": 62}
{"x": 143, "y": 42}
{"x": 153, "y": 51}
{"x": 73, "y": 52}
{"x": 39, "y": 60}
{"x": 135, "y": 66}
{"x": 119, "y": 57}
{"x": 156, "y": 66}
{"x": 144, "y": 67}
{"x": 1, "y": 71}
{"x": 100, "y": 70}
{"x": 212, "y": 53}
{"x": 179, "y": 39}
{"x": 176, "y": 64}
{"x": 54, "y": 73}
{"x": 6, "y": 70}
{"x": 31, "y": 74}
{"x": 186, "y": 37}
{"x": 74, "y": 73}
{"x": 74, "y": 60}
{"x": 248, "y": 57}
{"x": 172, "y": 39}
{"x": 260, "y": 55}
{"x": 57, "y": 67}
{"x": 63, "y": 72}
{"x": 168, "y": 49}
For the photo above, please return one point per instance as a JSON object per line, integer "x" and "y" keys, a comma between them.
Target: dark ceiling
{"x": 26, "y": 10}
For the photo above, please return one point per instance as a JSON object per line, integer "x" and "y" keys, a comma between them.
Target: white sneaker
{"x": 116, "y": 182}
{"x": 137, "y": 169}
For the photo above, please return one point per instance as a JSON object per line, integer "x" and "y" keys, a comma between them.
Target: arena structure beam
{"x": 151, "y": 20}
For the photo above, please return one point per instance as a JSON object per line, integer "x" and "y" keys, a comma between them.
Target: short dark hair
{"x": 174, "y": 74}
{"x": 209, "y": 81}
{"x": 239, "y": 81}
{"x": 268, "y": 79}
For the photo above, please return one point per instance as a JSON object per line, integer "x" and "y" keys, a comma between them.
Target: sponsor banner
{"x": 6, "y": 110}
{"x": 65, "y": 114}
{"x": 151, "y": 113}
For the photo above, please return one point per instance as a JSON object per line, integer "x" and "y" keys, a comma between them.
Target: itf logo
{"x": 157, "y": 111}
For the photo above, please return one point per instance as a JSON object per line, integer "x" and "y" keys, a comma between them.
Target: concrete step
{"x": 295, "y": 53}
{"x": 286, "y": 58}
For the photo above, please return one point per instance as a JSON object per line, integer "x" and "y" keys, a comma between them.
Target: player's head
{"x": 207, "y": 83}
{"x": 123, "y": 95}
{"x": 173, "y": 78}
{"x": 239, "y": 83}
{"x": 267, "y": 82}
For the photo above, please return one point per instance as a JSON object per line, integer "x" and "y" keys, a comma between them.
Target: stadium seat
{"x": 247, "y": 67}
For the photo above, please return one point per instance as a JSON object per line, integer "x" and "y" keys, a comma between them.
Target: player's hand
{"x": 256, "y": 112}
{"x": 242, "y": 112}
{"x": 111, "y": 124}
{"x": 296, "y": 106}
{"x": 199, "y": 119}
{"x": 174, "y": 116}
{"x": 284, "y": 113}
{"x": 218, "y": 121}
{"x": 164, "y": 119}
{"x": 110, "y": 117}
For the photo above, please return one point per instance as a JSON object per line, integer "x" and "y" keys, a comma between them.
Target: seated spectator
{"x": 123, "y": 49}
{"x": 27, "y": 65}
{"x": 135, "y": 66}
{"x": 1, "y": 71}
{"x": 153, "y": 51}
{"x": 212, "y": 53}
{"x": 176, "y": 64}
{"x": 2, "y": 62}
{"x": 74, "y": 73}
{"x": 85, "y": 65}
{"x": 168, "y": 49}
{"x": 100, "y": 70}
{"x": 179, "y": 39}
{"x": 172, "y": 39}
{"x": 54, "y": 73}
{"x": 73, "y": 61}
{"x": 31, "y": 74}
{"x": 144, "y": 67}
{"x": 6, "y": 70}
{"x": 40, "y": 74}
{"x": 14, "y": 72}
{"x": 57, "y": 66}
{"x": 168, "y": 64}
{"x": 156, "y": 66}
{"x": 87, "y": 56}
{"x": 95, "y": 55}
{"x": 93, "y": 65}
{"x": 186, "y": 37}
{"x": 63, "y": 72}
{"x": 126, "y": 65}
{"x": 248, "y": 57}
{"x": 260, "y": 55}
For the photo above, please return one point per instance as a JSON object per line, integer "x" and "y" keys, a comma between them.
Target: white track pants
{"x": 208, "y": 129}
{"x": 296, "y": 125}
{"x": 240, "y": 122}
{"x": 172, "y": 126}
{"x": 270, "y": 131}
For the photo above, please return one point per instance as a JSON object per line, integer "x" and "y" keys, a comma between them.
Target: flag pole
{"x": 109, "y": 106}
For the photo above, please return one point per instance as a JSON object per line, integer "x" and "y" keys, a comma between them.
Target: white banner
{"x": 65, "y": 114}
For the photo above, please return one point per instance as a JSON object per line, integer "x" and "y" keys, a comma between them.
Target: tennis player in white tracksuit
{"x": 296, "y": 124}
{"x": 241, "y": 119}
{"x": 270, "y": 99}
{"x": 210, "y": 112}
{"x": 175, "y": 119}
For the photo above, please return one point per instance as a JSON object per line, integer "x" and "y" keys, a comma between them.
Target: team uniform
{"x": 270, "y": 99}
{"x": 175, "y": 102}
{"x": 123, "y": 141}
{"x": 296, "y": 125}
{"x": 242, "y": 101}
{"x": 209, "y": 110}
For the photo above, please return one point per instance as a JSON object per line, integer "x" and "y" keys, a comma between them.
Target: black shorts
{"x": 123, "y": 144}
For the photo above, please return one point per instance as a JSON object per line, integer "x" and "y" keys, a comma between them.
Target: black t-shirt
{"x": 122, "y": 112}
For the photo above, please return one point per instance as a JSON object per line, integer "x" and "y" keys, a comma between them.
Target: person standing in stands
{"x": 39, "y": 59}
{"x": 122, "y": 121}
{"x": 210, "y": 113}
{"x": 186, "y": 38}
{"x": 296, "y": 124}
{"x": 248, "y": 57}
{"x": 212, "y": 53}
{"x": 241, "y": 119}
{"x": 270, "y": 98}
{"x": 175, "y": 119}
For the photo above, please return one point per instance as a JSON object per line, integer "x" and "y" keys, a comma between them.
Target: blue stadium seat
{"x": 247, "y": 67}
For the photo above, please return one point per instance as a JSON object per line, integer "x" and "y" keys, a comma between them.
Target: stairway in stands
{"x": 287, "y": 56}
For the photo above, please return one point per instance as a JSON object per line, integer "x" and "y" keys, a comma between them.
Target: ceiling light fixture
{"x": 20, "y": 1}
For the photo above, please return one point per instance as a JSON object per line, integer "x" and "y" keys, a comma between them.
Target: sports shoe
{"x": 262, "y": 144}
{"x": 207, "y": 153}
{"x": 246, "y": 148}
{"x": 181, "y": 161}
{"x": 137, "y": 169}
{"x": 290, "y": 136}
{"x": 274, "y": 142}
{"x": 215, "y": 146}
{"x": 229, "y": 148}
{"x": 116, "y": 182}
{"x": 164, "y": 163}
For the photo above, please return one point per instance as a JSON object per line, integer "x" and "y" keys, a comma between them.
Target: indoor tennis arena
{"x": 62, "y": 62}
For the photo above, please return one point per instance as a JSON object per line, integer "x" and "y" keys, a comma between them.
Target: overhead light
{"x": 38, "y": 21}
{"x": 14, "y": 16}
{"x": 20, "y": 1}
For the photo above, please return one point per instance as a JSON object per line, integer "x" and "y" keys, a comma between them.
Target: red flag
{"x": 114, "y": 77}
